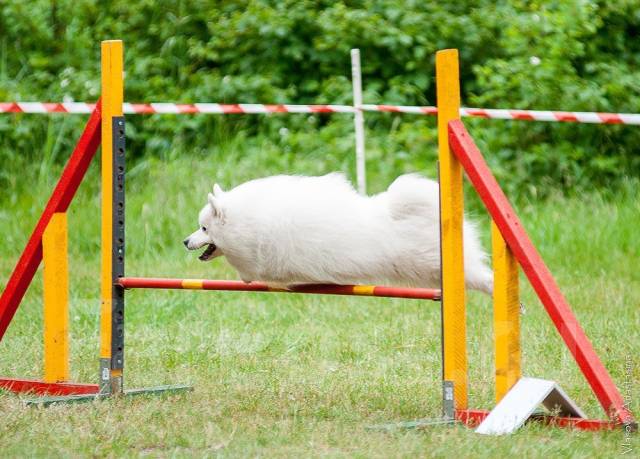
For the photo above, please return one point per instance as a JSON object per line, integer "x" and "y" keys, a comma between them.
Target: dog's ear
{"x": 215, "y": 206}
{"x": 217, "y": 191}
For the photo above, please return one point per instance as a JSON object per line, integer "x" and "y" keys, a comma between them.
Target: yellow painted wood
{"x": 56, "y": 299}
{"x": 451, "y": 218}
{"x": 112, "y": 97}
{"x": 364, "y": 290}
{"x": 192, "y": 284}
{"x": 506, "y": 314}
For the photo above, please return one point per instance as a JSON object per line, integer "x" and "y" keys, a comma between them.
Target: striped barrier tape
{"x": 510, "y": 114}
{"x": 221, "y": 109}
{"x": 171, "y": 108}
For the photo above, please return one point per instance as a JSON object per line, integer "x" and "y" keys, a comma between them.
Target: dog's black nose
{"x": 186, "y": 243}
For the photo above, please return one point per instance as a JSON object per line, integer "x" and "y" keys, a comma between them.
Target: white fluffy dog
{"x": 288, "y": 230}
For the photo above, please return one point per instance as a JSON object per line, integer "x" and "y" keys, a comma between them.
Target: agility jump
{"x": 457, "y": 153}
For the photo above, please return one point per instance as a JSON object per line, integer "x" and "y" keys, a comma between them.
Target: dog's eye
{"x": 204, "y": 229}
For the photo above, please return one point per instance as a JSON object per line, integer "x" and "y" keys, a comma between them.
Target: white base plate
{"x": 522, "y": 400}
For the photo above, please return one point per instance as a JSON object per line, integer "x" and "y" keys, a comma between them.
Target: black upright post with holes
{"x": 112, "y": 381}
{"x": 112, "y": 365}
{"x": 118, "y": 245}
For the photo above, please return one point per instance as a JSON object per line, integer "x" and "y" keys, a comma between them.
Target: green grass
{"x": 295, "y": 375}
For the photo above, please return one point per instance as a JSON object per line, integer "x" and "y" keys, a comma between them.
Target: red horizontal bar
{"x": 473, "y": 418}
{"x": 29, "y": 386}
{"x": 319, "y": 289}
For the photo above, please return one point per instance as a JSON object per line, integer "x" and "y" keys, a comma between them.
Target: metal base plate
{"x": 160, "y": 390}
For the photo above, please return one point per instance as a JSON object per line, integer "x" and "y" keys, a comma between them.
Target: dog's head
{"x": 210, "y": 220}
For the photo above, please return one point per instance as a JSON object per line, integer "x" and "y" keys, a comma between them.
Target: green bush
{"x": 514, "y": 54}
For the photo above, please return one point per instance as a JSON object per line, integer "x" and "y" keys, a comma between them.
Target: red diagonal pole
{"x": 538, "y": 274}
{"x": 59, "y": 201}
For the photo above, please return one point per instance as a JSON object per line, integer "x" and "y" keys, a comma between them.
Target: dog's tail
{"x": 413, "y": 195}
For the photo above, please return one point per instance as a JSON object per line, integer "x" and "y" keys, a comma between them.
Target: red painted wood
{"x": 473, "y": 418}
{"x": 321, "y": 289}
{"x": 59, "y": 201}
{"x": 537, "y": 272}
{"x": 28, "y": 386}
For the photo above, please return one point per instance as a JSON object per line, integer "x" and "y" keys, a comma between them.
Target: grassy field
{"x": 292, "y": 375}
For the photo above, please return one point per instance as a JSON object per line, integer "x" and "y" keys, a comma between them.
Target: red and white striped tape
{"x": 508, "y": 114}
{"x": 170, "y": 108}
{"x": 210, "y": 108}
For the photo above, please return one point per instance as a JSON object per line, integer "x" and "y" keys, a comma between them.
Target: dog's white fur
{"x": 287, "y": 230}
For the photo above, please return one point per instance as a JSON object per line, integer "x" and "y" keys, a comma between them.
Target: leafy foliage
{"x": 517, "y": 54}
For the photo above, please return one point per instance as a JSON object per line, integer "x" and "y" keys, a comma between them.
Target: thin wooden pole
{"x": 358, "y": 119}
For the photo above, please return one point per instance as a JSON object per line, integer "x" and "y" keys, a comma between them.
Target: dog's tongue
{"x": 207, "y": 252}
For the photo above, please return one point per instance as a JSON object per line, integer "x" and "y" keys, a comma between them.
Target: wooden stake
{"x": 506, "y": 314}
{"x": 56, "y": 300}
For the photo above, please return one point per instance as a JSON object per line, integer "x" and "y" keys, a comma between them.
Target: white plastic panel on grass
{"x": 522, "y": 400}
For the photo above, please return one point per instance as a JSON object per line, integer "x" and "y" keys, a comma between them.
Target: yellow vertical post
{"x": 56, "y": 299}
{"x": 454, "y": 351}
{"x": 112, "y": 98}
{"x": 506, "y": 314}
